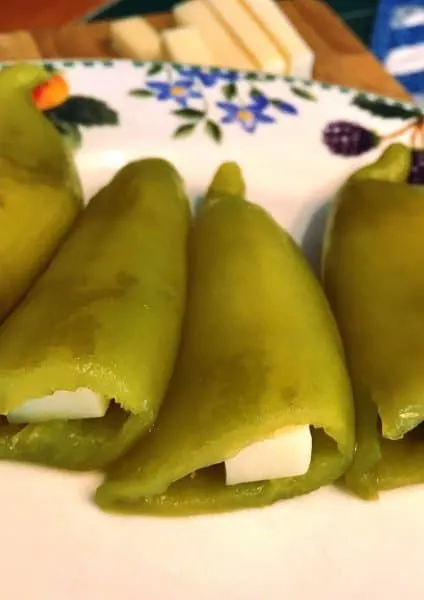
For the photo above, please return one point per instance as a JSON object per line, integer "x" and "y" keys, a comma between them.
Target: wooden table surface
{"x": 340, "y": 57}
{"x": 44, "y": 13}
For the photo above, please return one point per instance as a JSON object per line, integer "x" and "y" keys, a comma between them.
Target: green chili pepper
{"x": 374, "y": 278}
{"x": 106, "y": 316}
{"x": 260, "y": 351}
{"x": 40, "y": 195}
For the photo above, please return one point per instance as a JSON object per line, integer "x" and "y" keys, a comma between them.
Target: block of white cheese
{"x": 298, "y": 55}
{"x": 226, "y": 50}
{"x": 65, "y": 405}
{"x": 287, "y": 454}
{"x": 244, "y": 28}
{"x": 186, "y": 45}
{"x": 135, "y": 38}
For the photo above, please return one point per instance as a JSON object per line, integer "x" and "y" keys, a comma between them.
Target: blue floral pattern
{"x": 238, "y": 101}
{"x": 247, "y": 115}
{"x": 181, "y": 91}
{"x": 207, "y": 77}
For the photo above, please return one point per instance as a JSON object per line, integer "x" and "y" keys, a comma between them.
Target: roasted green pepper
{"x": 105, "y": 316}
{"x": 260, "y": 352}
{"x": 40, "y": 195}
{"x": 374, "y": 278}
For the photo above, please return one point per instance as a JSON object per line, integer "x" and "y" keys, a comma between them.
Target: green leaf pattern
{"x": 229, "y": 91}
{"x": 189, "y": 113}
{"x": 213, "y": 131}
{"x": 154, "y": 69}
{"x": 184, "y": 130}
{"x": 379, "y": 108}
{"x": 77, "y": 113}
{"x": 303, "y": 93}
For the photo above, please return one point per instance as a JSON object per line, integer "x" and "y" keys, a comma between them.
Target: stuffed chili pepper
{"x": 86, "y": 358}
{"x": 259, "y": 407}
{"x": 40, "y": 194}
{"x": 374, "y": 277}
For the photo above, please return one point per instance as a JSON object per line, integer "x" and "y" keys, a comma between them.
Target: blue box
{"x": 398, "y": 41}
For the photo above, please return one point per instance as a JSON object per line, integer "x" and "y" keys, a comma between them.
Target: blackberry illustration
{"x": 416, "y": 174}
{"x": 349, "y": 139}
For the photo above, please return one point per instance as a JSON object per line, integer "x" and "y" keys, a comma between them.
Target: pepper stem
{"x": 392, "y": 166}
{"x": 227, "y": 181}
{"x": 401, "y": 131}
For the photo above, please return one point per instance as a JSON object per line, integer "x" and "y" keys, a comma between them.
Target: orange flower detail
{"x": 50, "y": 94}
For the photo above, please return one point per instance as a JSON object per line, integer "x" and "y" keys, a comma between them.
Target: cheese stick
{"x": 249, "y": 34}
{"x": 227, "y": 53}
{"x": 298, "y": 55}
{"x": 136, "y": 38}
{"x": 186, "y": 45}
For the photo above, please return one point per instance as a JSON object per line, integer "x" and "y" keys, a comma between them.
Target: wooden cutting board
{"x": 340, "y": 57}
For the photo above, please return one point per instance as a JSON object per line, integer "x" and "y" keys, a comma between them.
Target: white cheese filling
{"x": 65, "y": 405}
{"x": 287, "y": 454}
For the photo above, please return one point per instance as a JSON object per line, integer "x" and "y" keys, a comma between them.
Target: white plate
{"x": 55, "y": 544}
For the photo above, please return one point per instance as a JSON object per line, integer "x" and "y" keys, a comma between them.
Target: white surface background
{"x": 56, "y": 545}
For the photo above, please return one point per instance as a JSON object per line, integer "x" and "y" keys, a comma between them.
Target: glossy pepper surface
{"x": 260, "y": 351}
{"x": 40, "y": 194}
{"x": 374, "y": 278}
{"x": 105, "y": 316}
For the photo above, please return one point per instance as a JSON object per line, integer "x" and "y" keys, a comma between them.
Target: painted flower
{"x": 180, "y": 91}
{"x": 208, "y": 77}
{"x": 247, "y": 115}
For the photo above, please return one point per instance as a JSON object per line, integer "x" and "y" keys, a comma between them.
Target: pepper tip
{"x": 227, "y": 181}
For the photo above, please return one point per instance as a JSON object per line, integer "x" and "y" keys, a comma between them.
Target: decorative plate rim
{"x": 259, "y": 76}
